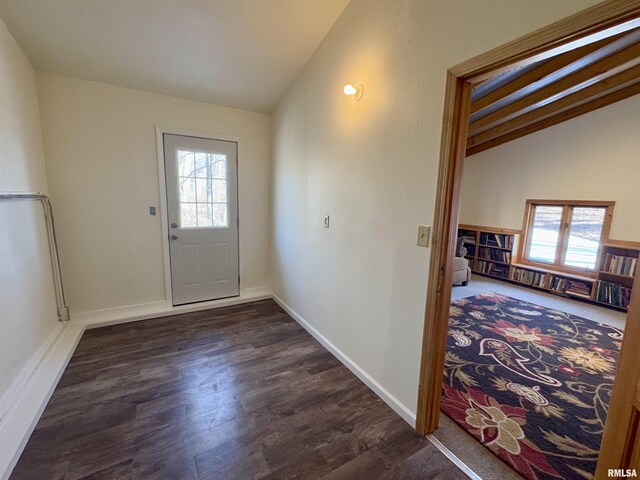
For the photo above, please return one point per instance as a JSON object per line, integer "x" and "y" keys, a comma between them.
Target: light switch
{"x": 152, "y": 210}
{"x": 424, "y": 235}
{"x": 326, "y": 221}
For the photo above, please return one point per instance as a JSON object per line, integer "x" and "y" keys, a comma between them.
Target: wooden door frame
{"x": 601, "y": 21}
{"x": 622, "y": 428}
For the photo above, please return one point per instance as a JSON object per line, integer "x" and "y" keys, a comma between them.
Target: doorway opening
{"x": 605, "y": 23}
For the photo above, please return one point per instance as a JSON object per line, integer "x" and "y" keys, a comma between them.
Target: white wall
{"x": 103, "y": 175}
{"x": 27, "y": 301}
{"x": 372, "y": 165}
{"x": 591, "y": 157}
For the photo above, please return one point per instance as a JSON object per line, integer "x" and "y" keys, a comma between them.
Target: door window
{"x": 202, "y": 188}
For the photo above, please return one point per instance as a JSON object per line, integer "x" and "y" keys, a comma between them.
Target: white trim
{"x": 401, "y": 409}
{"x": 10, "y": 396}
{"x": 451, "y": 456}
{"x": 144, "y": 311}
{"x": 162, "y": 189}
{"x": 18, "y": 424}
{"x": 115, "y": 313}
{"x": 257, "y": 292}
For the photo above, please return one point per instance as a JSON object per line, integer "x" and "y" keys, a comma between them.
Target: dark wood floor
{"x": 239, "y": 392}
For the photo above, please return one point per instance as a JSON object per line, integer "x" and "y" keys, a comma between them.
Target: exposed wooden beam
{"x": 623, "y": 79}
{"x": 580, "y": 76}
{"x": 553, "y": 98}
{"x": 600, "y": 102}
{"x": 541, "y": 72}
{"x": 586, "y": 29}
{"x": 619, "y": 43}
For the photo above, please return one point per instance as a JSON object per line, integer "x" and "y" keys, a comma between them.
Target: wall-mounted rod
{"x": 63, "y": 310}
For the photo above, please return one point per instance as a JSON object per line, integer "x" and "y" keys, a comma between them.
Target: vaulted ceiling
{"x": 528, "y": 99}
{"x": 238, "y": 53}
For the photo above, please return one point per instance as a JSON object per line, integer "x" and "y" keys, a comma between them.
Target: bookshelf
{"x": 492, "y": 252}
{"x": 529, "y": 277}
{"x": 616, "y": 271}
{"x": 471, "y": 239}
{"x": 572, "y": 286}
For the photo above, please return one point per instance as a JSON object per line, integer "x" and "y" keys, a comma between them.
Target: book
{"x": 619, "y": 264}
{"x": 495, "y": 255}
{"x": 613, "y": 294}
{"x": 494, "y": 269}
{"x": 496, "y": 240}
{"x": 529, "y": 277}
{"x": 570, "y": 286}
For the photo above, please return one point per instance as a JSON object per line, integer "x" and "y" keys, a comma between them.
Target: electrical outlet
{"x": 326, "y": 221}
{"x": 424, "y": 235}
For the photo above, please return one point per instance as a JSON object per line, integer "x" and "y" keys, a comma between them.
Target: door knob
{"x": 174, "y": 237}
{"x": 174, "y": 225}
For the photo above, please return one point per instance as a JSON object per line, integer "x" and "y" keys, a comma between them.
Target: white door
{"x": 202, "y": 210}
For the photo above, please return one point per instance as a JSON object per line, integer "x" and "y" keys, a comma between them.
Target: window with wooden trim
{"x": 566, "y": 234}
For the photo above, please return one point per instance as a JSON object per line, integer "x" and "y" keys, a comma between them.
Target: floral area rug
{"x": 532, "y": 384}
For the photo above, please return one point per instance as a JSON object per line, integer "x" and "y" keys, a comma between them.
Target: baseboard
{"x": 11, "y": 395}
{"x": 257, "y": 291}
{"x": 21, "y": 419}
{"x": 144, "y": 311}
{"x": 384, "y": 394}
{"x": 115, "y": 314}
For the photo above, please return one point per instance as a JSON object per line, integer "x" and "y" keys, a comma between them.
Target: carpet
{"x": 530, "y": 383}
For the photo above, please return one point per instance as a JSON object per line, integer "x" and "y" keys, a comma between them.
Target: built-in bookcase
{"x": 572, "y": 286}
{"x": 529, "y": 277}
{"x": 618, "y": 264}
{"x": 491, "y": 252}
{"x": 471, "y": 238}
